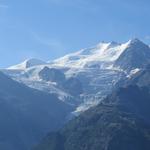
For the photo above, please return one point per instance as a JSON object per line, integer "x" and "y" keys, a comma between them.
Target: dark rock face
{"x": 132, "y": 99}
{"x": 121, "y": 121}
{"x": 73, "y": 86}
{"x": 26, "y": 114}
{"x": 52, "y": 74}
{"x": 137, "y": 55}
{"x": 141, "y": 79}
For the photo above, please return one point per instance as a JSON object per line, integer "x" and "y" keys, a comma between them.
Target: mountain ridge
{"x": 103, "y": 46}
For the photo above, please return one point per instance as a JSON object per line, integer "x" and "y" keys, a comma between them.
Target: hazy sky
{"x": 48, "y": 29}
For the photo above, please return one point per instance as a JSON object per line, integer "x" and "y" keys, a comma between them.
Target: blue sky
{"x": 48, "y": 29}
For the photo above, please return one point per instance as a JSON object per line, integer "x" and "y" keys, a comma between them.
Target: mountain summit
{"x": 136, "y": 55}
{"x": 135, "y": 41}
{"x": 27, "y": 64}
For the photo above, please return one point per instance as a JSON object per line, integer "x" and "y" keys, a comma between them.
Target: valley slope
{"x": 26, "y": 115}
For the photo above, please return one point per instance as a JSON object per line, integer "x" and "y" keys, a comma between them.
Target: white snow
{"x": 27, "y": 64}
{"x": 102, "y": 53}
{"x": 132, "y": 72}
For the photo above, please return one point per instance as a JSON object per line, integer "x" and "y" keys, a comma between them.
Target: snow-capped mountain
{"x": 85, "y": 77}
{"x": 71, "y": 85}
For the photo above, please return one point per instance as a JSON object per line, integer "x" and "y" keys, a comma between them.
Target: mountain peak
{"x": 136, "y": 55}
{"x": 27, "y": 64}
{"x": 135, "y": 41}
{"x": 108, "y": 44}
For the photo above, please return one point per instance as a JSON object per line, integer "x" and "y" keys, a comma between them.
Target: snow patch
{"x": 132, "y": 72}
